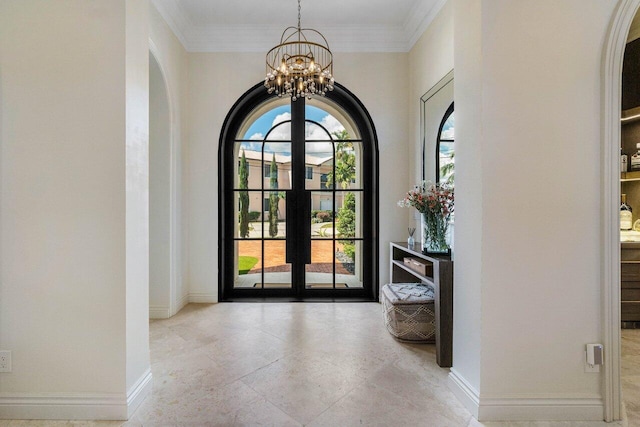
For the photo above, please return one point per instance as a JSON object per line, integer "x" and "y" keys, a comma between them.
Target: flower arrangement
{"x": 430, "y": 197}
{"x": 436, "y": 204}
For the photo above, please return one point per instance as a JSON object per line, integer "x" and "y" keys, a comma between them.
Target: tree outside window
{"x": 274, "y": 198}
{"x": 244, "y": 196}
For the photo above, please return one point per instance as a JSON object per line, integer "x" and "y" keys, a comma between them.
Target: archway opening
{"x": 630, "y": 223}
{"x": 159, "y": 194}
{"x": 613, "y": 54}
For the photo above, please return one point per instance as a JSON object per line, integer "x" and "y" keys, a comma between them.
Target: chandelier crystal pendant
{"x": 301, "y": 65}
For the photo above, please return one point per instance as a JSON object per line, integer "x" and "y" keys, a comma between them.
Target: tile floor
{"x": 306, "y": 364}
{"x": 630, "y": 374}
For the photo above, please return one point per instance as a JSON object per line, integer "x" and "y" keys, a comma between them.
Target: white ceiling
{"x": 256, "y": 25}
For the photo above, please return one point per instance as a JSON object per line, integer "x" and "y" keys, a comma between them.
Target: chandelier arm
{"x": 282, "y": 37}
{"x": 320, "y": 34}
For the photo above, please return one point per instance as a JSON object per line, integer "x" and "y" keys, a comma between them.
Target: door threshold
{"x": 291, "y": 299}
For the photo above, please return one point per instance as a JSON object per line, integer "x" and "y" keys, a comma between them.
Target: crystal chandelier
{"x": 301, "y": 65}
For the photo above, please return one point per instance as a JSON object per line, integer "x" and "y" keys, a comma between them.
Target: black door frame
{"x": 370, "y": 252}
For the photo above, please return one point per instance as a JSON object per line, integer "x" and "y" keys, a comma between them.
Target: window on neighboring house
{"x": 267, "y": 170}
{"x": 309, "y": 172}
{"x": 323, "y": 181}
{"x": 265, "y": 205}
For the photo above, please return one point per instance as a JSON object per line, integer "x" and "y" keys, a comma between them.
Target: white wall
{"x": 430, "y": 59}
{"x": 166, "y": 299}
{"x": 387, "y": 104}
{"x": 468, "y": 280}
{"x": 73, "y": 105}
{"x": 217, "y": 80}
{"x": 138, "y": 369}
{"x": 528, "y": 179}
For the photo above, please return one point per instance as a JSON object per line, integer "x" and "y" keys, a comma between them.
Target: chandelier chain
{"x": 298, "y": 14}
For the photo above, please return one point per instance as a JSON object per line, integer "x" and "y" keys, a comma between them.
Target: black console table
{"x": 440, "y": 276}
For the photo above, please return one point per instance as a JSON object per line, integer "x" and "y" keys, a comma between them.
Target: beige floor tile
{"x": 303, "y": 386}
{"x": 370, "y": 405}
{"x": 424, "y": 388}
{"x": 61, "y": 423}
{"x": 630, "y": 375}
{"x": 289, "y": 364}
{"x": 545, "y": 424}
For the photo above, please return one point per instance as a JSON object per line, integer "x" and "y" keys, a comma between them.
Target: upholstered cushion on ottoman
{"x": 409, "y": 312}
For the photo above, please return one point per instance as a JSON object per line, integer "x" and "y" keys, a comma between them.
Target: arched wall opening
{"x": 613, "y": 55}
{"x": 161, "y": 292}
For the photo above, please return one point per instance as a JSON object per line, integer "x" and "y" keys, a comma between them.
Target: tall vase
{"x": 434, "y": 234}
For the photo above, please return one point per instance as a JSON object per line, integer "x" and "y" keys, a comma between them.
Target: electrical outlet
{"x": 588, "y": 367}
{"x": 5, "y": 361}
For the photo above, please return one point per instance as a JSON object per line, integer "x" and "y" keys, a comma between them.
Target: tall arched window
{"x": 298, "y": 197}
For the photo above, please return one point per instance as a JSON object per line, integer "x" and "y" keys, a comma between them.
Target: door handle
{"x": 290, "y": 201}
{"x": 306, "y": 218}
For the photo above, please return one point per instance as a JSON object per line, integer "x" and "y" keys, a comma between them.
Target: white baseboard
{"x": 203, "y": 298}
{"x": 63, "y": 406}
{"x": 164, "y": 312}
{"x": 541, "y": 409}
{"x": 159, "y": 312}
{"x": 140, "y": 390}
{"x": 464, "y": 392}
{"x": 181, "y": 303}
{"x": 526, "y": 408}
{"x": 75, "y": 406}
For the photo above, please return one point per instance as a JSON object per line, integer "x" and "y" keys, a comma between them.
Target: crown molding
{"x": 262, "y": 38}
{"x": 420, "y": 18}
{"x": 175, "y": 18}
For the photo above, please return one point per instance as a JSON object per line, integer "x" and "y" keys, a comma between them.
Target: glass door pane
{"x": 332, "y": 162}
{"x": 263, "y": 179}
{"x": 276, "y": 270}
{"x": 248, "y": 263}
{"x": 320, "y": 273}
{"x": 262, "y": 264}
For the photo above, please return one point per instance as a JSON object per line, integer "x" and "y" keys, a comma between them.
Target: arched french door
{"x": 298, "y": 198}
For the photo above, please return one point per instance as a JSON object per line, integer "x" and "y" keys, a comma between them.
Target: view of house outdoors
{"x": 263, "y": 178}
{"x": 446, "y": 152}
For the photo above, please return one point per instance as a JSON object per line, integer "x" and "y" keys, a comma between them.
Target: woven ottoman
{"x": 409, "y": 313}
